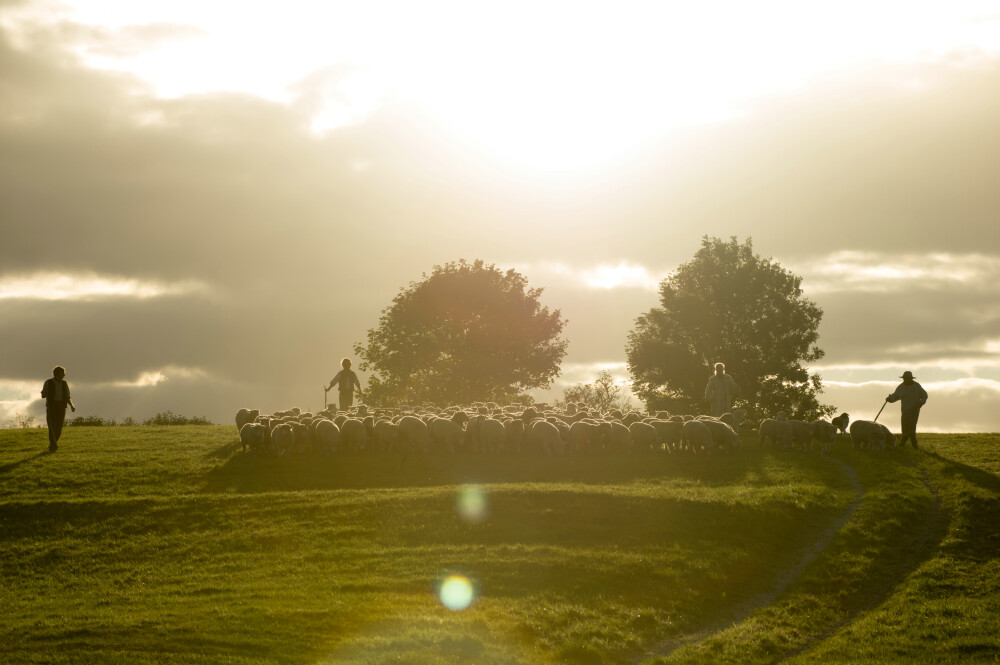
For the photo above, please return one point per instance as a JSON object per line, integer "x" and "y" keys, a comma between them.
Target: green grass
{"x": 168, "y": 545}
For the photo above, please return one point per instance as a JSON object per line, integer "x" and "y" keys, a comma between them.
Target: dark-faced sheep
{"x": 619, "y": 439}
{"x": 841, "y": 422}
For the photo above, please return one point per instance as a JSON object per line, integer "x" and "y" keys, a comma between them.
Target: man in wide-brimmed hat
{"x": 911, "y": 396}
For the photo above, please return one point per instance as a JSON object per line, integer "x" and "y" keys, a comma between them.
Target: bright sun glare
{"x": 548, "y": 86}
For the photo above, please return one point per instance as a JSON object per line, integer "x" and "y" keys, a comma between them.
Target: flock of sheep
{"x": 488, "y": 428}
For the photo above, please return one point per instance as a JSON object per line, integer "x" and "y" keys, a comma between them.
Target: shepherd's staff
{"x": 880, "y": 410}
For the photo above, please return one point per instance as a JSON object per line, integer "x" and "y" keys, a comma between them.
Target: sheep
{"x": 669, "y": 432}
{"x": 802, "y": 433}
{"x": 244, "y": 416}
{"x": 866, "y": 432}
{"x": 644, "y": 437}
{"x": 303, "y": 441}
{"x": 412, "y": 435}
{"x": 252, "y": 436}
{"x": 514, "y": 430}
{"x": 587, "y": 436}
{"x": 734, "y": 419}
{"x": 544, "y": 437}
{"x": 825, "y": 433}
{"x": 618, "y": 438}
{"x": 491, "y": 436}
{"x": 890, "y": 438}
{"x": 778, "y": 431}
{"x": 722, "y": 434}
{"x": 384, "y": 435}
{"x": 354, "y": 434}
{"x": 446, "y": 434}
{"x": 841, "y": 421}
{"x": 695, "y": 435}
{"x": 326, "y": 436}
{"x": 282, "y": 439}
{"x": 662, "y": 415}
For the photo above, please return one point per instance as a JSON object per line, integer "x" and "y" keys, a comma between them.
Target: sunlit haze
{"x": 206, "y": 205}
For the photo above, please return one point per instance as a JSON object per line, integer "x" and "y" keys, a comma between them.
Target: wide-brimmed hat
{"x": 907, "y": 375}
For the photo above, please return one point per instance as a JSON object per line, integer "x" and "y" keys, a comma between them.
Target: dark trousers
{"x": 908, "y": 424}
{"x": 55, "y": 416}
{"x": 346, "y": 399}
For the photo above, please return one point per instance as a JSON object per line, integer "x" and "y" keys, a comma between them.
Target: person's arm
{"x": 357, "y": 383}
{"x": 71, "y": 405}
{"x": 708, "y": 391}
{"x": 894, "y": 396}
{"x": 333, "y": 381}
{"x": 45, "y": 388}
{"x": 923, "y": 395}
{"x": 69, "y": 398}
{"x": 734, "y": 388}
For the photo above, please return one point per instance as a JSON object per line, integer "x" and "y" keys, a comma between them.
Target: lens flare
{"x": 471, "y": 504}
{"x": 456, "y": 593}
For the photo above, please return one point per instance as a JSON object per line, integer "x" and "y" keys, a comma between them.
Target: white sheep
{"x": 696, "y": 436}
{"x": 722, "y": 434}
{"x": 644, "y": 437}
{"x": 778, "y": 431}
{"x": 868, "y": 433}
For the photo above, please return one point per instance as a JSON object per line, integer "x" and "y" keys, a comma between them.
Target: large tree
{"x": 729, "y": 305}
{"x": 466, "y": 332}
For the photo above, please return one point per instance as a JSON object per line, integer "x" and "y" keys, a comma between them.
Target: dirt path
{"x": 783, "y": 581}
{"x": 932, "y": 531}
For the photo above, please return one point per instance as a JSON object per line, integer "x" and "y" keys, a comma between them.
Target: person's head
{"x": 720, "y": 368}
{"x": 907, "y": 377}
{"x": 346, "y": 363}
{"x": 58, "y": 372}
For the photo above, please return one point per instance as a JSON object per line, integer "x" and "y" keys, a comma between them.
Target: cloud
{"x": 62, "y": 286}
{"x": 885, "y": 272}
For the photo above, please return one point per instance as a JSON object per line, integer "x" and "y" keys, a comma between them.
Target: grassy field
{"x": 167, "y": 545}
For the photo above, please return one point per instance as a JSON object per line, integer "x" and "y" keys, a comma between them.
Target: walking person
{"x": 346, "y": 379}
{"x": 911, "y": 396}
{"x": 57, "y": 398}
{"x": 721, "y": 391}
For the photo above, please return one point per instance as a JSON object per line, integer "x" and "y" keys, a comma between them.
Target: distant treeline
{"x": 163, "y": 418}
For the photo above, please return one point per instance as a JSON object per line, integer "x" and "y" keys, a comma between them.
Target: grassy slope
{"x": 161, "y": 545}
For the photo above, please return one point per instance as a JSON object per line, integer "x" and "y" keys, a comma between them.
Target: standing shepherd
{"x": 720, "y": 391}
{"x": 911, "y": 396}
{"x": 347, "y": 380}
{"x": 56, "y": 394}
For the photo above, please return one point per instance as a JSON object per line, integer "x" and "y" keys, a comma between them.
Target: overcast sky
{"x": 200, "y": 213}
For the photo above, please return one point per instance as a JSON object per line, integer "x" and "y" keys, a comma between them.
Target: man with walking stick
{"x": 911, "y": 397}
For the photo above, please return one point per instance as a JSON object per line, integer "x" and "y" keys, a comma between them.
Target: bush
{"x": 91, "y": 421}
{"x": 171, "y": 418}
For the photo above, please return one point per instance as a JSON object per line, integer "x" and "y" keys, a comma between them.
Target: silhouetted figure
{"x": 346, "y": 380}
{"x": 911, "y": 397}
{"x": 720, "y": 391}
{"x": 57, "y": 398}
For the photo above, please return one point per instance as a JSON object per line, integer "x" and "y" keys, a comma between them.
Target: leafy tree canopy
{"x": 466, "y": 332}
{"x": 729, "y": 305}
